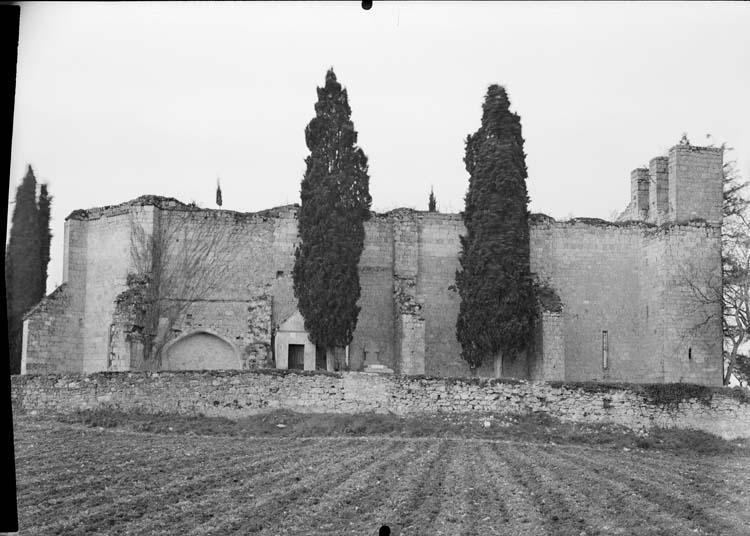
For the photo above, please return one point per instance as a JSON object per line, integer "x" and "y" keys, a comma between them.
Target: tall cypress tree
{"x": 497, "y": 308}
{"x": 22, "y": 265}
{"x": 335, "y": 204}
{"x": 432, "y": 202}
{"x": 45, "y": 237}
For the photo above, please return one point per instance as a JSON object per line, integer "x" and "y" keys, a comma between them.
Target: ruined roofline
{"x": 168, "y": 203}
{"x": 171, "y": 203}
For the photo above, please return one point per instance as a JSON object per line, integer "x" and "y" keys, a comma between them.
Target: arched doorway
{"x": 200, "y": 350}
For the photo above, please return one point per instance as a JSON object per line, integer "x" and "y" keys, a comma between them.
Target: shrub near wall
{"x": 235, "y": 394}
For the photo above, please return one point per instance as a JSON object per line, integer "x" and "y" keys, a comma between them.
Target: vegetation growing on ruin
{"x": 497, "y": 300}
{"x": 660, "y": 394}
{"x": 26, "y": 259}
{"x": 335, "y": 204}
{"x": 671, "y": 394}
{"x": 547, "y": 297}
{"x": 177, "y": 262}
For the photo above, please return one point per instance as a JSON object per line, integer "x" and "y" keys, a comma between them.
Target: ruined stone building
{"x": 620, "y": 304}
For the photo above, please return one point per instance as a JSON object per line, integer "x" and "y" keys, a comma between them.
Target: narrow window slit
{"x": 605, "y": 350}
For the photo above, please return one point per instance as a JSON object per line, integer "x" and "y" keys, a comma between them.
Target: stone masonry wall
{"x": 439, "y": 247}
{"x": 683, "y": 263}
{"x": 235, "y": 394}
{"x": 108, "y": 261}
{"x": 621, "y": 278}
{"x": 51, "y": 326}
{"x": 375, "y": 333}
{"x": 594, "y": 268}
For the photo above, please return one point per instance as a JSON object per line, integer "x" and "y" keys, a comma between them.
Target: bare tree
{"x": 732, "y": 289}
{"x": 736, "y": 292}
{"x": 182, "y": 260}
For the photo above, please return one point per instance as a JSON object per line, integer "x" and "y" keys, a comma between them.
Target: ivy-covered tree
{"x": 335, "y": 204}
{"x": 497, "y": 309}
{"x": 22, "y": 265}
{"x": 432, "y": 203}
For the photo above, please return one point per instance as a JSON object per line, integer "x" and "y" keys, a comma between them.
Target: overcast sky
{"x": 117, "y": 100}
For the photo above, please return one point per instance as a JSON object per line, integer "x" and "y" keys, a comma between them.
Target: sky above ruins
{"x": 117, "y": 100}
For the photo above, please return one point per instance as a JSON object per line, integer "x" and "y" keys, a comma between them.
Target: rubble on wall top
{"x": 171, "y": 203}
{"x": 598, "y": 222}
{"x": 538, "y": 217}
{"x": 695, "y": 148}
{"x": 399, "y": 211}
{"x": 695, "y": 222}
{"x": 142, "y": 201}
{"x": 406, "y": 212}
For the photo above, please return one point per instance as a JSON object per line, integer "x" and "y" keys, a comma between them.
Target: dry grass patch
{"x": 536, "y": 427}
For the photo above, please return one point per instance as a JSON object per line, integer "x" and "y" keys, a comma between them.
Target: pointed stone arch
{"x": 201, "y": 349}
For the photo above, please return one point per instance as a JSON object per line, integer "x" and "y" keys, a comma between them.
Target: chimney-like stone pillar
{"x": 639, "y": 192}
{"x": 695, "y": 183}
{"x": 658, "y": 193}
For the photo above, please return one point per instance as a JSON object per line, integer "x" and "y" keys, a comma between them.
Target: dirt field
{"x": 73, "y": 479}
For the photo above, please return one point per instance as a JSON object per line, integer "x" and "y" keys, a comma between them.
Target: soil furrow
{"x": 395, "y": 487}
{"x": 352, "y": 499}
{"x": 422, "y": 503}
{"x": 73, "y": 479}
{"x": 275, "y": 472}
{"x": 127, "y": 506}
{"x": 561, "y": 513}
{"x": 118, "y": 480}
{"x": 679, "y": 501}
{"x": 669, "y": 468}
{"x": 285, "y": 492}
{"x": 505, "y": 501}
{"x": 616, "y": 500}
{"x": 453, "y": 500}
{"x": 198, "y": 515}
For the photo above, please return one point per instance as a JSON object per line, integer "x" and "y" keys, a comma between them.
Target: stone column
{"x": 410, "y": 330}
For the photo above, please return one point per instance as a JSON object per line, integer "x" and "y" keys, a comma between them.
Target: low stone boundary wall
{"x": 235, "y": 394}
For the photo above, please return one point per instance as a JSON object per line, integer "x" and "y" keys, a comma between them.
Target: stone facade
{"x": 627, "y": 311}
{"x": 235, "y": 394}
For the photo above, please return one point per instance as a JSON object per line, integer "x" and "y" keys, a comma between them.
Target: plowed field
{"x": 73, "y": 479}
